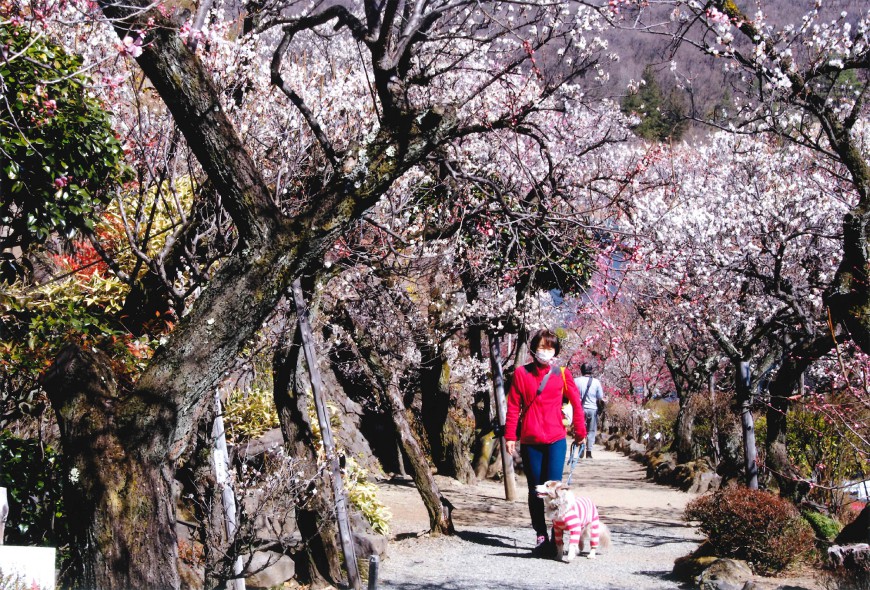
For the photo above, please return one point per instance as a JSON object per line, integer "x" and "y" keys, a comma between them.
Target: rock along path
{"x": 492, "y": 548}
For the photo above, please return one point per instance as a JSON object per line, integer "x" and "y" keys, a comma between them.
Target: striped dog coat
{"x": 574, "y": 517}
{"x": 573, "y": 514}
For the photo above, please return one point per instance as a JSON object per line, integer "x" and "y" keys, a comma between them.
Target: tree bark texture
{"x": 685, "y": 428}
{"x": 121, "y": 516}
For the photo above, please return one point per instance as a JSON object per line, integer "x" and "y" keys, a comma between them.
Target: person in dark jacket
{"x": 542, "y": 436}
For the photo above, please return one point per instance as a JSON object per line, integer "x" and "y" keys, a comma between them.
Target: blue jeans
{"x": 542, "y": 463}
{"x": 591, "y": 428}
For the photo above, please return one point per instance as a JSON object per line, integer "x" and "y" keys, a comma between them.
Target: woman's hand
{"x": 511, "y": 446}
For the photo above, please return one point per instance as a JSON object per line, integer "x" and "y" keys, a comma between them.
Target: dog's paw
{"x": 592, "y": 555}
{"x": 560, "y": 551}
{"x": 572, "y": 553}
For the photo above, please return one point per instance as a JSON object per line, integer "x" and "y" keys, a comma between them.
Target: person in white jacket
{"x": 590, "y": 392}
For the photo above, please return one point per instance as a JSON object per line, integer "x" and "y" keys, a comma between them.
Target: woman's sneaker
{"x": 543, "y": 547}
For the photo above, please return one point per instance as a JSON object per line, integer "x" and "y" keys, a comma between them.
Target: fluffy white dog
{"x": 573, "y": 514}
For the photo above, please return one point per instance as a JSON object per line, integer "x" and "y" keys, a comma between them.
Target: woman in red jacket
{"x": 542, "y": 436}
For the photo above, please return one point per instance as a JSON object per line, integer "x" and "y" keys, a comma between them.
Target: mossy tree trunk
{"x": 124, "y": 444}
{"x": 117, "y": 485}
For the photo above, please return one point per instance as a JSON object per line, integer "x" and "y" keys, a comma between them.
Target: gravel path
{"x": 494, "y": 540}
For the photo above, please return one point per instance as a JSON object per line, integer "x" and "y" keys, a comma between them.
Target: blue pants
{"x": 542, "y": 463}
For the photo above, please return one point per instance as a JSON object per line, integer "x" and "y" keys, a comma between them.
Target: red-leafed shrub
{"x": 759, "y": 527}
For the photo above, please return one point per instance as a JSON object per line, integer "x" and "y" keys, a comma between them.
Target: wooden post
{"x": 344, "y": 531}
{"x": 220, "y": 463}
{"x": 510, "y": 485}
{"x": 744, "y": 399}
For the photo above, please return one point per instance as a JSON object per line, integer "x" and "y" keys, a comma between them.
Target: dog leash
{"x": 577, "y": 451}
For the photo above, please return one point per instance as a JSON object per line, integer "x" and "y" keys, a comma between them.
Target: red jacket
{"x": 542, "y": 418}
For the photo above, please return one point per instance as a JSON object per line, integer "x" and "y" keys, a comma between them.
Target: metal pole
{"x": 374, "y": 563}
{"x": 344, "y": 532}
{"x": 510, "y": 486}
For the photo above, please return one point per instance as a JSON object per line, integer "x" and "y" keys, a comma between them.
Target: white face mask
{"x": 545, "y": 355}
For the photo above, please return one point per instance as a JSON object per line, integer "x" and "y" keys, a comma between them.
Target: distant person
{"x": 535, "y": 404}
{"x": 592, "y": 396}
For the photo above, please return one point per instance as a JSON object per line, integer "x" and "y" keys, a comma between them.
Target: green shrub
{"x": 759, "y": 527}
{"x": 33, "y": 477}
{"x": 363, "y": 496}
{"x": 249, "y": 414}
{"x": 826, "y": 528}
{"x": 663, "y": 419}
{"x": 824, "y": 452}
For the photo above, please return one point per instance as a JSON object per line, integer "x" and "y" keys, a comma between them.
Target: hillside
{"x": 698, "y": 77}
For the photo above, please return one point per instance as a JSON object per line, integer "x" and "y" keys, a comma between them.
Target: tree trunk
{"x": 124, "y": 447}
{"x": 449, "y": 451}
{"x": 685, "y": 428}
{"x": 744, "y": 400}
{"x": 481, "y": 448}
{"x": 445, "y": 437}
{"x": 319, "y": 562}
{"x": 788, "y": 379}
{"x": 111, "y": 484}
{"x": 484, "y": 456}
{"x": 440, "y": 520}
{"x": 199, "y": 477}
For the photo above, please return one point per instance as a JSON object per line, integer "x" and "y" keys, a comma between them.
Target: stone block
{"x": 266, "y": 569}
{"x": 724, "y": 574}
{"x": 369, "y": 544}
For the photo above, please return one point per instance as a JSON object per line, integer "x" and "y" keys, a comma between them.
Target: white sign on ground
{"x": 34, "y": 565}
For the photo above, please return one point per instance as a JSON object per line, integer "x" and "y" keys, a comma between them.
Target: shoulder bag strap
{"x": 588, "y": 385}
{"x": 544, "y": 382}
{"x": 542, "y": 386}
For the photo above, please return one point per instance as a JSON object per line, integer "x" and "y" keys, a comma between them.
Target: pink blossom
{"x": 716, "y": 17}
{"x": 130, "y": 46}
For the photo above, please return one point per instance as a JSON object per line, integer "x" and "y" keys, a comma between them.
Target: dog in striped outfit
{"x": 575, "y": 515}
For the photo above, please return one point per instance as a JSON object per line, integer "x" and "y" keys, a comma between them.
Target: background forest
{"x": 680, "y": 188}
